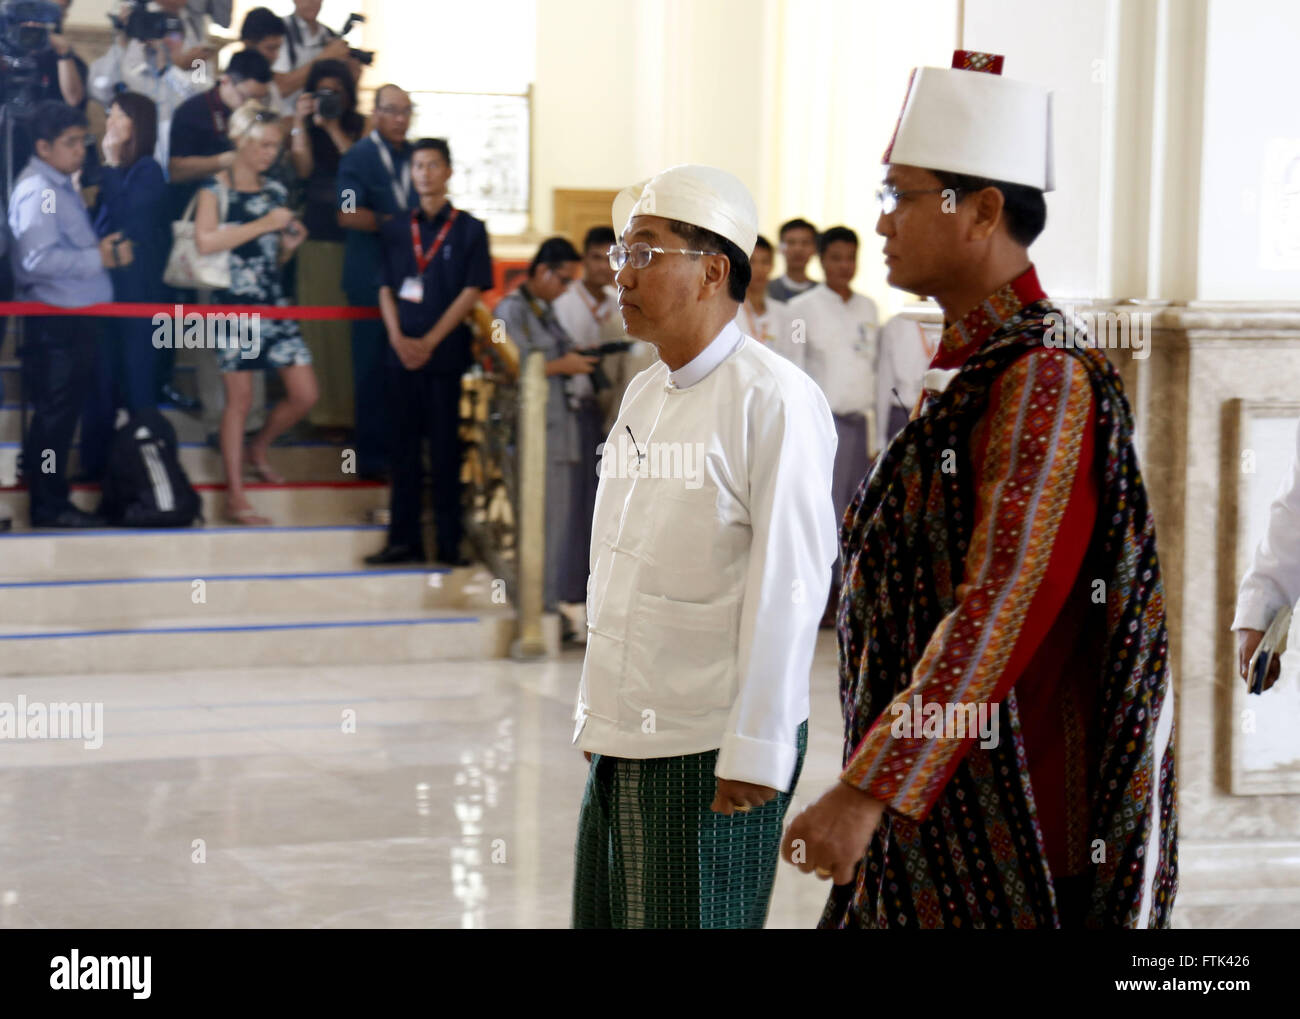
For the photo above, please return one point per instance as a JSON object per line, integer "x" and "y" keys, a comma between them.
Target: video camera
{"x": 366, "y": 57}
{"x": 25, "y": 27}
{"x": 147, "y": 25}
{"x": 599, "y": 380}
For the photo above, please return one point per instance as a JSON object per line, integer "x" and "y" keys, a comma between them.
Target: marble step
{"x": 240, "y": 641}
{"x": 125, "y": 552}
{"x": 297, "y": 461}
{"x": 297, "y": 503}
{"x": 197, "y": 596}
{"x": 189, "y": 427}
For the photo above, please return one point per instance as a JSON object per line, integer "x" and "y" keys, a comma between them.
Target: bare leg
{"x": 300, "y": 395}
{"x": 239, "y": 400}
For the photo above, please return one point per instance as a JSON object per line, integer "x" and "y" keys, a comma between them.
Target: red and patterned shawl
{"x": 1002, "y": 551}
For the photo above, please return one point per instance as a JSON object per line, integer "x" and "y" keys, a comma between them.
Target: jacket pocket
{"x": 681, "y": 658}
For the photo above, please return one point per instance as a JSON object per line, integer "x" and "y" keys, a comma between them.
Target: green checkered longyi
{"x": 651, "y": 853}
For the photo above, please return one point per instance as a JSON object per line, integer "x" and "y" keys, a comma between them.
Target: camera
{"x": 366, "y": 57}
{"x": 25, "y": 27}
{"x": 147, "y": 25}
{"x": 329, "y": 104}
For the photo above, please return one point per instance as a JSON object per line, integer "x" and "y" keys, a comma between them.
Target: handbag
{"x": 186, "y": 268}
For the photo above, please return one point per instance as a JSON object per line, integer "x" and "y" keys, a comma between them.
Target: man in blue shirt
{"x": 435, "y": 265}
{"x": 374, "y": 185}
{"x": 57, "y": 259}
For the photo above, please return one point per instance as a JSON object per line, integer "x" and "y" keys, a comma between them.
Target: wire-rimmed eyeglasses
{"x": 638, "y": 255}
{"x": 889, "y": 195}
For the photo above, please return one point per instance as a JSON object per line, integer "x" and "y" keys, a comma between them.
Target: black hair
{"x": 603, "y": 236}
{"x": 1023, "y": 207}
{"x": 795, "y": 224}
{"x": 553, "y": 252}
{"x": 248, "y": 65}
{"x": 52, "y": 117}
{"x": 764, "y": 243}
{"x": 439, "y": 145}
{"x": 834, "y": 234}
{"x": 352, "y": 122}
{"x": 260, "y": 23}
{"x": 697, "y": 237}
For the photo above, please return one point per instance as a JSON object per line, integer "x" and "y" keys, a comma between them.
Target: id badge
{"x": 412, "y": 290}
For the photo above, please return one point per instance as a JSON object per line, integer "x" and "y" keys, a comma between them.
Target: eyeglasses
{"x": 638, "y": 255}
{"x": 265, "y": 116}
{"x": 888, "y": 196}
{"x": 395, "y": 111}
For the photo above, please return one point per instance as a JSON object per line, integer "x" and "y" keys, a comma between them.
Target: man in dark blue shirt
{"x": 374, "y": 185}
{"x": 435, "y": 265}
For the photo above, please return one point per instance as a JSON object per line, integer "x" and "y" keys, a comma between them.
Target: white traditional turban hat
{"x": 702, "y": 196}
{"x": 969, "y": 119}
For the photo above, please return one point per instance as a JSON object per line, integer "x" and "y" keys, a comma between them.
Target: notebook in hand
{"x": 1269, "y": 650}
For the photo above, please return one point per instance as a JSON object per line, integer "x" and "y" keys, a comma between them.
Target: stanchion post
{"x": 530, "y": 524}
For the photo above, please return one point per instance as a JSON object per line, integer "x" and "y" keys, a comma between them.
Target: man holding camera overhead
{"x": 306, "y": 41}
{"x": 160, "y": 50}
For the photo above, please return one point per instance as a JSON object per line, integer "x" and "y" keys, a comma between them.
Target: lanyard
{"x": 215, "y": 107}
{"x": 582, "y": 296}
{"x": 423, "y": 258}
{"x": 401, "y": 185}
{"x": 925, "y": 344}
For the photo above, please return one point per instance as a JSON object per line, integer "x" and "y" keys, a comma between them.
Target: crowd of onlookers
{"x": 310, "y": 204}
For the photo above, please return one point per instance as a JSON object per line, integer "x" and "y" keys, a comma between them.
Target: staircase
{"x": 213, "y": 596}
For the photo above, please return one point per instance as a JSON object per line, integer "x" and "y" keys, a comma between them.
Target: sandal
{"x": 247, "y": 517}
{"x": 262, "y": 471}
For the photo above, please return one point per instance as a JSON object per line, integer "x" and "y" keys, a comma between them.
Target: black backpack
{"x": 144, "y": 485}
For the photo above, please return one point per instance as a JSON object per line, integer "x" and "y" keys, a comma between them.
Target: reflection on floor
{"x": 443, "y": 795}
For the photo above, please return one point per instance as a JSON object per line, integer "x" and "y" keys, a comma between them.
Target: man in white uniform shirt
{"x": 711, "y": 552}
{"x": 306, "y": 40}
{"x": 840, "y": 333}
{"x": 763, "y": 316}
{"x": 905, "y": 354}
{"x": 1273, "y": 580}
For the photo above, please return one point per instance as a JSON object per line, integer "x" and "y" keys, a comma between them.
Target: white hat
{"x": 969, "y": 119}
{"x": 702, "y": 196}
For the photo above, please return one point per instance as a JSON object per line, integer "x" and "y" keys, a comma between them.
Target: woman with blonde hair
{"x": 243, "y": 211}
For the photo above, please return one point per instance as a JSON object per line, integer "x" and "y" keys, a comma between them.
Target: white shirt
{"x": 586, "y": 320}
{"x": 711, "y": 552}
{"x": 841, "y": 339}
{"x": 1273, "y": 580}
{"x": 304, "y": 52}
{"x": 905, "y": 354}
{"x": 772, "y": 328}
{"x": 130, "y": 66}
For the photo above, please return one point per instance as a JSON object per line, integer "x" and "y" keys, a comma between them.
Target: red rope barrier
{"x": 116, "y": 309}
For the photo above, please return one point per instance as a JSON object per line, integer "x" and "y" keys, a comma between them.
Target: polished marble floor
{"x": 393, "y": 796}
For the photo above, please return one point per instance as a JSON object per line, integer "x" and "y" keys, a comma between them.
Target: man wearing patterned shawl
{"x": 999, "y": 567}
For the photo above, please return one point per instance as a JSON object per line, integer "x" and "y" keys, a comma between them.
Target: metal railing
{"x": 503, "y": 432}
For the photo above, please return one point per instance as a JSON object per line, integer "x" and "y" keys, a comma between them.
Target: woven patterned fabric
{"x": 971, "y": 851}
{"x": 651, "y": 854}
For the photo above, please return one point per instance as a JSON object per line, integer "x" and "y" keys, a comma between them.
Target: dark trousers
{"x": 59, "y": 355}
{"x": 127, "y": 378}
{"x": 425, "y": 406}
{"x": 374, "y": 417}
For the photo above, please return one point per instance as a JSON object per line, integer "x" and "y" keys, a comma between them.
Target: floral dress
{"x": 255, "y": 279}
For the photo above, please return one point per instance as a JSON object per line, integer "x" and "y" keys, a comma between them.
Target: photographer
{"x": 59, "y": 72}
{"x": 168, "y": 67}
{"x": 307, "y": 41}
{"x": 58, "y": 259}
{"x": 326, "y": 125}
{"x": 573, "y": 424}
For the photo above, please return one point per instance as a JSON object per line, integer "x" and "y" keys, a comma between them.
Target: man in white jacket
{"x": 1273, "y": 580}
{"x": 711, "y": 554}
